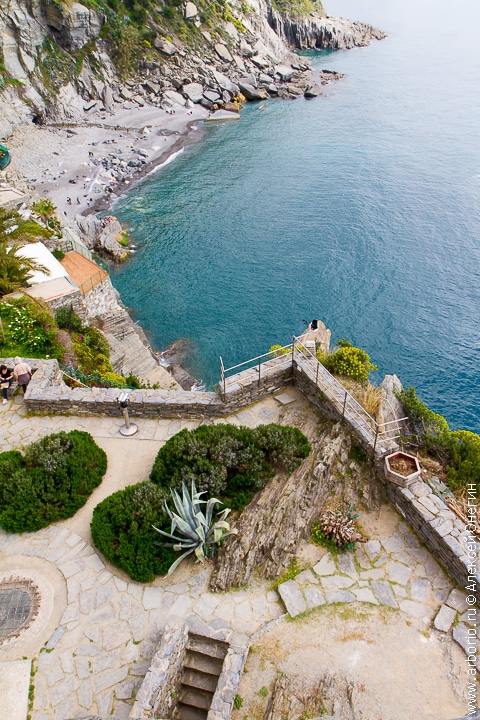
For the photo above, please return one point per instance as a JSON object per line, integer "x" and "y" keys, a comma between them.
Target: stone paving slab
{"x": 14, "y": 686}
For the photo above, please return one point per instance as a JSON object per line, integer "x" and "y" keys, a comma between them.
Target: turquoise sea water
{"x": 360, "y": 208}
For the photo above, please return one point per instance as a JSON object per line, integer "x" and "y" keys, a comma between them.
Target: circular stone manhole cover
{"x": 19, "y": 604}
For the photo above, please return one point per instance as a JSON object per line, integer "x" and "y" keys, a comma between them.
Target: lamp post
{"x": 129, "y": 428}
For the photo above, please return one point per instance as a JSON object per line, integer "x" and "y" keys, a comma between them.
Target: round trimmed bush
{"x": 229, "y": 462}
{"x": 122, "y": 530}
{"x": 50, "y": 481}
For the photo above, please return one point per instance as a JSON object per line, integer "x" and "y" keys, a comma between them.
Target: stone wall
{"x": 438, "y": 527}
{"x": 48, "y": 393}
{"x": 75, "y": 300}
{"x": 156, "y": 697}
{"x": 101, "y": 300}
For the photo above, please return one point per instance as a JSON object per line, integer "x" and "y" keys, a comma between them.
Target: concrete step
{"x": 212, "y": 648}
{"x": 200, "y": 680}
{"x": 199, "y": 661}
{"x": 185, "y": 712}
{"x": 194, "y": 697}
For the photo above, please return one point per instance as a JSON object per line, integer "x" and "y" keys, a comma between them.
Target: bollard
{"x": 129, "y": 428}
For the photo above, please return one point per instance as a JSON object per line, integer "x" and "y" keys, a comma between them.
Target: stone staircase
{"x": 130, "y": 352}
{"x": 201, "y": 669}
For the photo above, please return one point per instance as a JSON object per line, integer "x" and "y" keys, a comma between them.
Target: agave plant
{"x": 197, "y": 532}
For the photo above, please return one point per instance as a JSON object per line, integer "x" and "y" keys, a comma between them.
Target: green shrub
{"x": 348, "y": 361}
{"x": 122, "y": 529}
{"x": 92, "y": 352}
{"x": 464, "y": 465}
{"x": 237, "y": 702}
{"x": 67, "y": 318}
{"x": 459, "y": 451}
{"x": 29, "y": 329}
{"x": 50, "y": 481}
{"x": 229, "y": 462}
{"x": 127, "y": 47}
{"x": 424, "y": 420}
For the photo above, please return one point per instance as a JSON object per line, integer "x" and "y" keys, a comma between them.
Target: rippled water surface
{"x": 360, "y": 208}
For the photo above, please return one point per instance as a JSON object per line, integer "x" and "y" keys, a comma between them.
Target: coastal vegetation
{"x": 298, "y": 8}
{"x": 228, "y": 462}
{"x": 458, "y": 451}
{"x": 50, "y": 481}
{"x": 348, "y": 361}
{"x": 28, "y": 329}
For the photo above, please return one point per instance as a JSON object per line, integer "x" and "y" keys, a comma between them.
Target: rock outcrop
{"x": 272, "y": 527}
{"x": 316, "y": 33}
{"x": 46, "y": 82}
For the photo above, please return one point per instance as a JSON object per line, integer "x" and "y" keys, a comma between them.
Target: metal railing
{"x": 344, "y": 402}
{"x": 347, "y": 406}
{"x": 89, "y": 380}
{"x": 70, "y": 243}
{"x": 281, "y": 356}
{"x": 87, "y": 285}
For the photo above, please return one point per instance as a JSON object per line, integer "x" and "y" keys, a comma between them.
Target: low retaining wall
{"x": 157, "y": 695}
{"x": 443, "y": 533}
{"x": 439, "y": 528}
{"x": 47, "y": 393}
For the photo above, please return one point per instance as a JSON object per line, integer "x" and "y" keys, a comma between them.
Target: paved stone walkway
{"x": 96, "y": 657}
{"x": 396, "y": 572}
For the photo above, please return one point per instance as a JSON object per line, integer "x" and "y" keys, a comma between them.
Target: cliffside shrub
{"x": 349, "y": 361}
{"x": 68, "y": 319}
{"x": 459, "y": 451}
{"x": 229, "y": 462}
{"x": 122, "y": 529}
{"x": 92, "y": 352}
{"x": 464, "y": 466}
{"x": 50, "y": 481}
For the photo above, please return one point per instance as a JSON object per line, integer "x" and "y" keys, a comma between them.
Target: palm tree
{"x": 13, "y": 227}
{"x": 45, "y": 209}
{"x": 15, "y": 231}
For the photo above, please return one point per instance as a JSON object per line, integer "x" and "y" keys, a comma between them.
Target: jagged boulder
{"x": 223, "y": 52}
{"x": 252, "y": 93}
{"x": 165, "y": 46}
{"x": 193, "y": 91}
{"x": 294, "y": 502}
{"x": 190, "y": 11}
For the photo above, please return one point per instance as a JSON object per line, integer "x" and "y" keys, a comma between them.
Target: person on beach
{"x": 6, "y": 377}
{"x": 22, "y": 372}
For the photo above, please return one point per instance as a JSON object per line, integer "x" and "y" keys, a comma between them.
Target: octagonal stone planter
{"x": 402, "y": 469}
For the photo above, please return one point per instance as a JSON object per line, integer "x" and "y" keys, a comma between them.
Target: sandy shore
{"x": 68, "y": 163}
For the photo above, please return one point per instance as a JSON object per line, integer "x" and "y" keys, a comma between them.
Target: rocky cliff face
{"x": 316, "y": 33}
{"x": 57, "y": 58}
{"x": 268, "y": 539}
